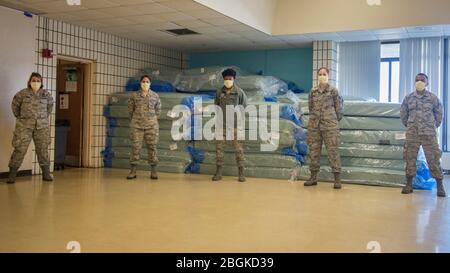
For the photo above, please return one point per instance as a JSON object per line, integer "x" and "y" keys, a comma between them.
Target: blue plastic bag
{"x": 288, "y": 112}
{"x": 270, "y": 99}
{"x": 133, "y": 85}
{"x": 162, "y": 87}
{"x": 423, "y": 179}
{"x": 291, "y": 152}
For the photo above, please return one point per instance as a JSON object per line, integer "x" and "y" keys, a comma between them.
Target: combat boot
{"x": 241, "y": 175}
{"x": 12, "y": 175}
{"x": 337, "y": 181}
{"x": 440, "y": 188}
{"x": 132, "y": 174}
{"x": 46, "y": 175}
{"x": 312, "y": 180}
{"x": 408, "y": 189}
{"x": 218, "y": 175}
{"x": 154, "y": 173}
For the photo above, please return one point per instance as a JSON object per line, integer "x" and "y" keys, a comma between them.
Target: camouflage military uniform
{"x": 325, "y": 110}
{"x": 144, "y": 112}
{"x": 422, "y": 114}
{"x": 32, "y": 112}
{"x": 233, "y": 97}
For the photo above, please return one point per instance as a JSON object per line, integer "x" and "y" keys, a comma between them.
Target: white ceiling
{"x": 144, "y": 20}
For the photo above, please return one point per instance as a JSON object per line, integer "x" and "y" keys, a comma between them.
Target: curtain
{"x": 422, "y": 55}
{"x": 359, "y": 69}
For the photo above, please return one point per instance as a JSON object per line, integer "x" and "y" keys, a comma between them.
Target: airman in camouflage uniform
{"x": 232, "y": 95}
{"x": 32, "y": 108}
{"x": 325, "y": 110}
{"x": 144, "y": 108}
{"x": 422, "y": 114}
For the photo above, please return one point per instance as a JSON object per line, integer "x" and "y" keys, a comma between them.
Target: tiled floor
{"x": 188, "y": 213}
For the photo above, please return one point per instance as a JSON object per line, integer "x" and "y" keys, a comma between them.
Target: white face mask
{"x": 323, "y": 79}
{"x": 145, "y": 86}
{"x": 35, "y": 86}
{"x": 420, "y": 86}
{"x": 228, "y": 83}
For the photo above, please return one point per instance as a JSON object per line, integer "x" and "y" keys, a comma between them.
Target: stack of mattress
{"x": 274, "y": 157}
{"x": 372, "y": 137}
{"x": 173, "y": 155}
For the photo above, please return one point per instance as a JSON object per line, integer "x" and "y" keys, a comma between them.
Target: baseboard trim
{"x": 19, "y": 174}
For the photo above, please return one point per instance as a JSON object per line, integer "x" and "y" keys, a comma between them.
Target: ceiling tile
{"x": 174, "y": 16}
{"x": 192, "y": 23}
{"x": 153, "y": 8}
{"x": 183, "y": 5}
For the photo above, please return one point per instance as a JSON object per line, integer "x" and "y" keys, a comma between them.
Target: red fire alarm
{"x": 47, "y": 53}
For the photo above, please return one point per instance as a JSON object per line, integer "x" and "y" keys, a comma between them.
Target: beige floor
{"x": 188, "y": 213}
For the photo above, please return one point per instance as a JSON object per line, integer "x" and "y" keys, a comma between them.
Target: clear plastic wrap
{"x": 362, "y": 109}
{"x": 373, "y": 137}
{"x": 202, "y": 79}
{"x": 369, "y": 151}
{"x": 391, "y": 164}
{"x": 366, "y": 123}
{"x": 268, "y": 85}
{"x": 165, "y": 74}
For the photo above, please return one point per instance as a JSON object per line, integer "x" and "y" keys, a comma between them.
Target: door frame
{"x": 89, "y": 68}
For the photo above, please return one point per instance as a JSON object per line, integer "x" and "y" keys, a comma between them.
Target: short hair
{"x": 424, "y": 75}
{"x": 229, "y": 72}
{"x": 145, "y": 76}
{"x": 323, "y": 68}
{"x": 35, "y": 75}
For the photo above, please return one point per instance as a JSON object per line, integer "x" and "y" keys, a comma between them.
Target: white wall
{"x": 17, "y": 62}
{"x": 258, "y": 14}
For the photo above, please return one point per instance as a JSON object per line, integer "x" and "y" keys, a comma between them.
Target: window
{"x": 390, "y": 72}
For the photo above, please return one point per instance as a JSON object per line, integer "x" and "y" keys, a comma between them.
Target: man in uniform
{"x": 144, "y": 108}
{"x": 229, "y": 95}
{"x": 32, "y": 108}
{"x": 422, "y": 114}
{"x": 325, "y": 111}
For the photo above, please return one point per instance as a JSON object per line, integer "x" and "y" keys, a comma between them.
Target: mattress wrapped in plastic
{"x": 369, "y": 151}
{"x": 363, "y": 109}
{"x": 373, "y": 137}
{"x": 161, "y": 74}
{"x": 247, "y": 145}
{"x": 268, "y": 85}
{"x": 391, "y": 164}
{"x": 255, "y": 160}
{"x": 200, "y": 79}
{"x": 357, "y": 175}
{"x": 366, "y": 123}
